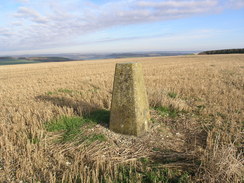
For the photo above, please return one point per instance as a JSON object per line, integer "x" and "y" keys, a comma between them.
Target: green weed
{"x": 172, "y": 95}
{"x": 63, "y": 90}
{"x": 51, "y": 93}
{"x": 144, "y": 160}
{"x": 167, "y": 111}
{"x": 72, "y": 126}
{"x": 223, "y": 116}
{"x": 35, "y": 140}
{"x": 151, "y": 175}
{"x": 69, "y": 125}
{"x": 156, "y": 149}
{"x": 96, "y": 137}
{"x": 165, "y": 175}
{"x": 200, "y": 107}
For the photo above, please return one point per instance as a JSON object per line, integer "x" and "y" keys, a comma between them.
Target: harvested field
{"x": 54, "y": 122}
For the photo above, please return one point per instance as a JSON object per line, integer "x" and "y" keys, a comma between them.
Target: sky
{"x": 99, "y": 26}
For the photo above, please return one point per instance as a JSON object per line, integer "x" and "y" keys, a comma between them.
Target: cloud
{"x": 23, "y": 1}
{"x": 17, "y": 23}
{"x": 236, "y": 3}
{"x": 49, "y": 23}
{"x": 178, "y": 4}
{"x": 27, "y": 13}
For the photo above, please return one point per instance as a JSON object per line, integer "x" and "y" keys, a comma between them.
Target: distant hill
{"x": 39, "y": 58}
{"x": 225, "y": 51}
{"x": 95, "y": 56}
{"x": 27, "y": 60}
{"x": 6, "y": 58}
{"x": 48, "y": 59}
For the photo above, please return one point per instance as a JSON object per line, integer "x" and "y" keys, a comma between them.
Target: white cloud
{"x": 236, "y": 3}
{"x": 178, "y": 4}
{"x": 27, "y": 13}
{"x": 23, "y": 1}
{"x": 17, "y": 23}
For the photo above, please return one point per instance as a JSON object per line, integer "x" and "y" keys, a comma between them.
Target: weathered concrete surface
{"x": 130, "y": 109}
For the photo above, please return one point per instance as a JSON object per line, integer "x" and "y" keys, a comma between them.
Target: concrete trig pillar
{"x": 129, "y": 110}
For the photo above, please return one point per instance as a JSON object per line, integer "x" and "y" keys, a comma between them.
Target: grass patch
{"x": 156, "y": 149}
{"x": 172, "y": 95}
{"x": 201, "y": 107}
{"x": 144, "y": 160}
{"x": 150, "y": 175}
{"x": 51, "y": 93}
{"x": 96, "y": 137}
{"x": 64, "y": 123}
{"x": 63, "y": 90}
{"x": 153, "y": 120}
{"x": 167, "y": 111}
{"x": 165, "y": 175}
{"x": 35, "y": 140}
{"x": 69, "y": 125}
{"x": 72, "y": 126}
{"x": 223, "y": 116}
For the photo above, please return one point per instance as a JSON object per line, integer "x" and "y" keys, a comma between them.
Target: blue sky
{"x": 93, "y": 26}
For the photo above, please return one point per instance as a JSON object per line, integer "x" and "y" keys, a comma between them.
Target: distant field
{"x": 14, "y": 61}
{"x": 29, "y": 60}
{"x": 54, "y": 122}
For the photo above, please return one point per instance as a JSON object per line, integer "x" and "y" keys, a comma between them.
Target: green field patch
{"x": 14, "y": 62}
{"x": 28, "y": 60}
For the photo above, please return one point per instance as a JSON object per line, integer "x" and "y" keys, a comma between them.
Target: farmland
{"x": 30, "y": 60}
{"x": 54, "y": 122}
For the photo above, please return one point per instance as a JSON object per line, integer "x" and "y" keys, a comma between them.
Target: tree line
{"x": 225, "y": 51}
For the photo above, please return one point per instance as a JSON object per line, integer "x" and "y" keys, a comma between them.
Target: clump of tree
{"x": 225, "y": 51}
